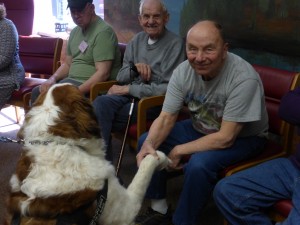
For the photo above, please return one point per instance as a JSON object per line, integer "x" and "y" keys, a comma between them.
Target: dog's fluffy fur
{"x": 63, "y": 164}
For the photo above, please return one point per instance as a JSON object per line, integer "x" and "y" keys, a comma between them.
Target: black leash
{"x": 7, "y": 139}
{"x": 101, "y": 199}
{"x": 16, "y": 220}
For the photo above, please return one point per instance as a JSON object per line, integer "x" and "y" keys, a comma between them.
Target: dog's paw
{"x": 164, "y": 161}
{"x": 159, "y": 163}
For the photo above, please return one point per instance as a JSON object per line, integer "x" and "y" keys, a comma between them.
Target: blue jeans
{"x": 243, "y": 196}
{"x": 201, "y": 173}
{"x": 112, "y": 112}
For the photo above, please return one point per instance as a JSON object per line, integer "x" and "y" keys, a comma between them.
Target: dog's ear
{"x": 76, "y": 114}
{"x": 40, "y": 99}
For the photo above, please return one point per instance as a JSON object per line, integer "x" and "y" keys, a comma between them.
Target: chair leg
{"x": 18, "y": 114}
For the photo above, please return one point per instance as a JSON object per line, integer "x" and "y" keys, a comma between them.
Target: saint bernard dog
{"x": 63, "y": 167}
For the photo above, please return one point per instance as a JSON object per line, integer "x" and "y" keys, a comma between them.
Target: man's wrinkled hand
{"x": 145, "y": 150}
{"x": 44, "y": 87}
{"x": 175, "y": 158}
{"x": 144, "y": 71}
{"x": 118, "y": 90}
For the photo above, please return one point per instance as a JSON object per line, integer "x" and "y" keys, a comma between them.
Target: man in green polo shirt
{"x": 92, "y": 51}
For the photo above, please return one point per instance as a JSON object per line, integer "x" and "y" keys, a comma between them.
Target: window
{"x": 52, "y": 18}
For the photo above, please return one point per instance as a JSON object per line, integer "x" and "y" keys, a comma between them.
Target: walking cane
{"x": 132, "y": 68}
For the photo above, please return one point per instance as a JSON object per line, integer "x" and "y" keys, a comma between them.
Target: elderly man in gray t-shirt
{"x": 229, "y": 123}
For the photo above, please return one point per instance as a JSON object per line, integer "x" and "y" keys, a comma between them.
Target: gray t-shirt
{"x": 235, "y": 95}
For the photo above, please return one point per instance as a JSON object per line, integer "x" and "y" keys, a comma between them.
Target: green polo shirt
{"x": 98, "y": 43}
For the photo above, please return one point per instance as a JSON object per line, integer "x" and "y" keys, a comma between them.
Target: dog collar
{"x": 21, "y": 141}
{"x": 7, "y": 139}
{"x": 38, "y": 142}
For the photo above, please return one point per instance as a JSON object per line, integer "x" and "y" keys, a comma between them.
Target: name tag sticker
{"x": 83, "y": 46}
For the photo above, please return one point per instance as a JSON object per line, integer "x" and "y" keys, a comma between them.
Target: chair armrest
{"x": 144, "y": 104}
{"x": 287, "y": 131}
{"x": 101, "y": 87}
{"x": 253, "y": 163}
{"x": 286, "y": 149}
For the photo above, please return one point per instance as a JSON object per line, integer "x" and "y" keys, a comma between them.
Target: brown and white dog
{"x": 63, "y": 165}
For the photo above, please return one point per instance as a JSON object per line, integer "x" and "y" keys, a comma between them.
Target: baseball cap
{"x": 78, "y": 4}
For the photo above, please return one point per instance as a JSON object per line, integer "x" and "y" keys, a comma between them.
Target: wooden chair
{"x": 38, "y": 56}
{"x": 276, "y": 83}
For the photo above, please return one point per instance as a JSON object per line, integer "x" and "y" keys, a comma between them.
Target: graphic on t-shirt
{"x": 206, "y": 113}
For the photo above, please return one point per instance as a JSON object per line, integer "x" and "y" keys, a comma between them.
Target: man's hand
{"x": 175, "y": 158}
{"x": 118, "y": 90}
{"x": 144, "y": 71}
{"x": 146, "y": 150}
{"x": 46, "y": 85}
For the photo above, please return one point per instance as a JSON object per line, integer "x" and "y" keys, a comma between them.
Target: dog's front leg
{"x": 141, "y": 180}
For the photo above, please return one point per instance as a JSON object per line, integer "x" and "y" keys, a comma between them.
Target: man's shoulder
{"x": 238, "y": 62}
{"x": 7, "y": 25}
{"x": 239, "y": 67}
{"x": 184, "y": 65}
{"x": 101, "y": 25}
{"x": 7, "y": 21}
{"x": 74, "y": 30}
{"x": 183, "y": 69}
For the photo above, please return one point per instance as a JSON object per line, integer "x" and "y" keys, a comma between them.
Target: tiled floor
{"x": 8, "y": 121}
{"x": 9, "y": 152}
